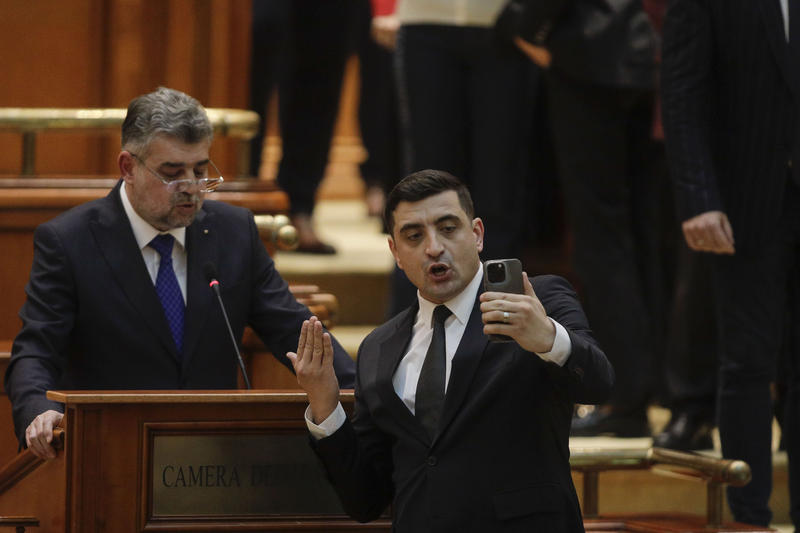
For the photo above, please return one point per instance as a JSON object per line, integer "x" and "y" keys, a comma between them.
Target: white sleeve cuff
{"x": 562, "y": 346}
{"x": 327, "y": 427}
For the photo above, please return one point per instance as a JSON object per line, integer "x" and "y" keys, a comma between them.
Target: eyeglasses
{"x": 201, "y": 179}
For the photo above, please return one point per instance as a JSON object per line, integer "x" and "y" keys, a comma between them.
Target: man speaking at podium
{"x": 457, "y": 432}
{"x": 118, "y": 296}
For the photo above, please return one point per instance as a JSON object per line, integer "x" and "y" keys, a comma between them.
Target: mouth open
{"x": 439, "y": 271}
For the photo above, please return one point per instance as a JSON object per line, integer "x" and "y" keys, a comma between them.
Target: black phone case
{"x": 512, "y": 284}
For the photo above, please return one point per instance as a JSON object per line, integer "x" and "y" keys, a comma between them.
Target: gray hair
{"x": 164, "y": 112}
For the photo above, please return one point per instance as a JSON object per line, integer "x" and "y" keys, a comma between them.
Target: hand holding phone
{"x": 503, "y": 275}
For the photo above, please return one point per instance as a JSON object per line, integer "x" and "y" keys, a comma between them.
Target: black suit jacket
{"x": 501, "y": 459}
{"x": 605, "y": 42}
{"x": 92, "y": 318}
{"x": 730, "y": 110}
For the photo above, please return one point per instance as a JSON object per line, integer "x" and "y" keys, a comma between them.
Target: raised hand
{"x": 313, "y": 365}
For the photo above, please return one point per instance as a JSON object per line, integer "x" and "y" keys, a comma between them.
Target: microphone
{"x": 211, "y": 275}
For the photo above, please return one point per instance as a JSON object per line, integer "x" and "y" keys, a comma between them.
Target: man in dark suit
{"x": 599, "y": 57}
{"x": 730, "y": 92}
{"x": 109, "y": 307}
{"x": 456, "y": 432}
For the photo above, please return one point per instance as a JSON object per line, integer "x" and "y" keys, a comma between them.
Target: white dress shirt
{"x": 144, "y": 233}
{"x": 407, "y": 374}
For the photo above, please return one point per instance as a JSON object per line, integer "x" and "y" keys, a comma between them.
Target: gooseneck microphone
{"x": 211, "y": 276}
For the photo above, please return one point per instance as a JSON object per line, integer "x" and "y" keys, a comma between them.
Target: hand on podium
{"x": 39, "y": 434}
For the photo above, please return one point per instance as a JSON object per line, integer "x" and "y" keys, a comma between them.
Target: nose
{"x": 433, "y": 246}
{"x": 187, "y": 185}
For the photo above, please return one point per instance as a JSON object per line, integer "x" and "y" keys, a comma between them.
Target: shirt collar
{"x": 460, "y": 305}
{"x": 142, "y": 230}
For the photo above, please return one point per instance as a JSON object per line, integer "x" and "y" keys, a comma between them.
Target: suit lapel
{"x": 201, "y": 247}
{"x": 391, "y": 352}
{"x": 776, "y": 34}
{"x": 465, "y": 363}
{"x": 117, "y": 245}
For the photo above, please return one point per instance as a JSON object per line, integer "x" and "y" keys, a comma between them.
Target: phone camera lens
{"x": 496, "y": 272}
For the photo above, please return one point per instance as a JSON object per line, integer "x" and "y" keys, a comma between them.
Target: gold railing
{"x": 29, "y": 121}
{"x": 715, "y": 473}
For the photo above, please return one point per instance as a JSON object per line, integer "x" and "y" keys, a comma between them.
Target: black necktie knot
{"x": 440, "y": 314}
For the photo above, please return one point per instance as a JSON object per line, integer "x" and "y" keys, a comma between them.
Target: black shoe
{"x": 599, "y": 422}
{"x": 685, "y": 432}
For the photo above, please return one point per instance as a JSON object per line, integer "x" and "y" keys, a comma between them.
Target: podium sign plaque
{"x": 256, "y": 474}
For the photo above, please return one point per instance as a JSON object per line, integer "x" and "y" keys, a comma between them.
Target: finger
{"x": 291, "y": 356}
{"x": 727, "y": 230}
{"x": 496, "y": 328}
{"x": 711, "y": 239}
{"x": 495, "y": 304}
{"x": 327, "y": 349}
{"x": 37, "y": 443}
{"x": 38, "y": 449}
{"x": 687, "y": 236}
{"x": 693, "y": 236}
{"x": 301, "y": 343}
{"x": 719, "y": 242}
{"x": 308, "y": 352}
{"x": 496, "y": 317}
{"x": 526, "y": 283}
{"x": 498, "y": 300}
{"x": 317, "y": 353}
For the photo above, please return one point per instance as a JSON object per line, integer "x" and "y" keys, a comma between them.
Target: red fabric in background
{"x": 381, "y": 8}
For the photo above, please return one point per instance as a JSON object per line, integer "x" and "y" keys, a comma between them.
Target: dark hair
{"x": 168, "y": 112}
{"x": 421, "y": 185}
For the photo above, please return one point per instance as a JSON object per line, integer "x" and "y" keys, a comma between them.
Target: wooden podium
{"x": 170, "y": 461}
{"x": 181, "y": 461}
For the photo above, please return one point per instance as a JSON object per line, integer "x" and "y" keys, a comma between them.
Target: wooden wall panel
{"x": 103, "y": 53}
{"x": 50, "y": 59}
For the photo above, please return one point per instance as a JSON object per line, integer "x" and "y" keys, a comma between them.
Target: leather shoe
{"x": 607, "y": 422}
{"x": 317, "y": 247}
{"x": 307, "y": 240}
{"x": 685, "y": 432}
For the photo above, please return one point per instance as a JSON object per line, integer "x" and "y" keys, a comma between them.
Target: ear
{"x": 477, "y": 230}
{"x": 126, "y": 163}
{"x": 393, "y": 248}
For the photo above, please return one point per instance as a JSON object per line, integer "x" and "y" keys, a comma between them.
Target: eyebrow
{"x": 417, "y": 225}
{"x": 170, "y": 164}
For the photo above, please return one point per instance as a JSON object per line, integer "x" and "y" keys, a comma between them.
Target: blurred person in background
{"x": 377, "y": 105}
{"x": 730, "y": 90}
{"x": 301, "y": 47}
{"x": 600, "y": 75}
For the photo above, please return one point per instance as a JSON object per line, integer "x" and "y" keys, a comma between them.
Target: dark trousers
{"x": 466, "y": 107}
{"x": 752, "y": 299}
{"x": 303, "y": 47}
{"x": 602, "y": 143}
{"x": 691, "y": 354}
{"x": 377, "y": 107}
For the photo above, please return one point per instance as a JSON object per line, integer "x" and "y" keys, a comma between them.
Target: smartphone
{"x": 503, "y": 275}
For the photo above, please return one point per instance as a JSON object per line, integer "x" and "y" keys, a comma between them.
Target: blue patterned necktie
{"x": 430, "y": 387}
{"x": 167, "y": 288}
